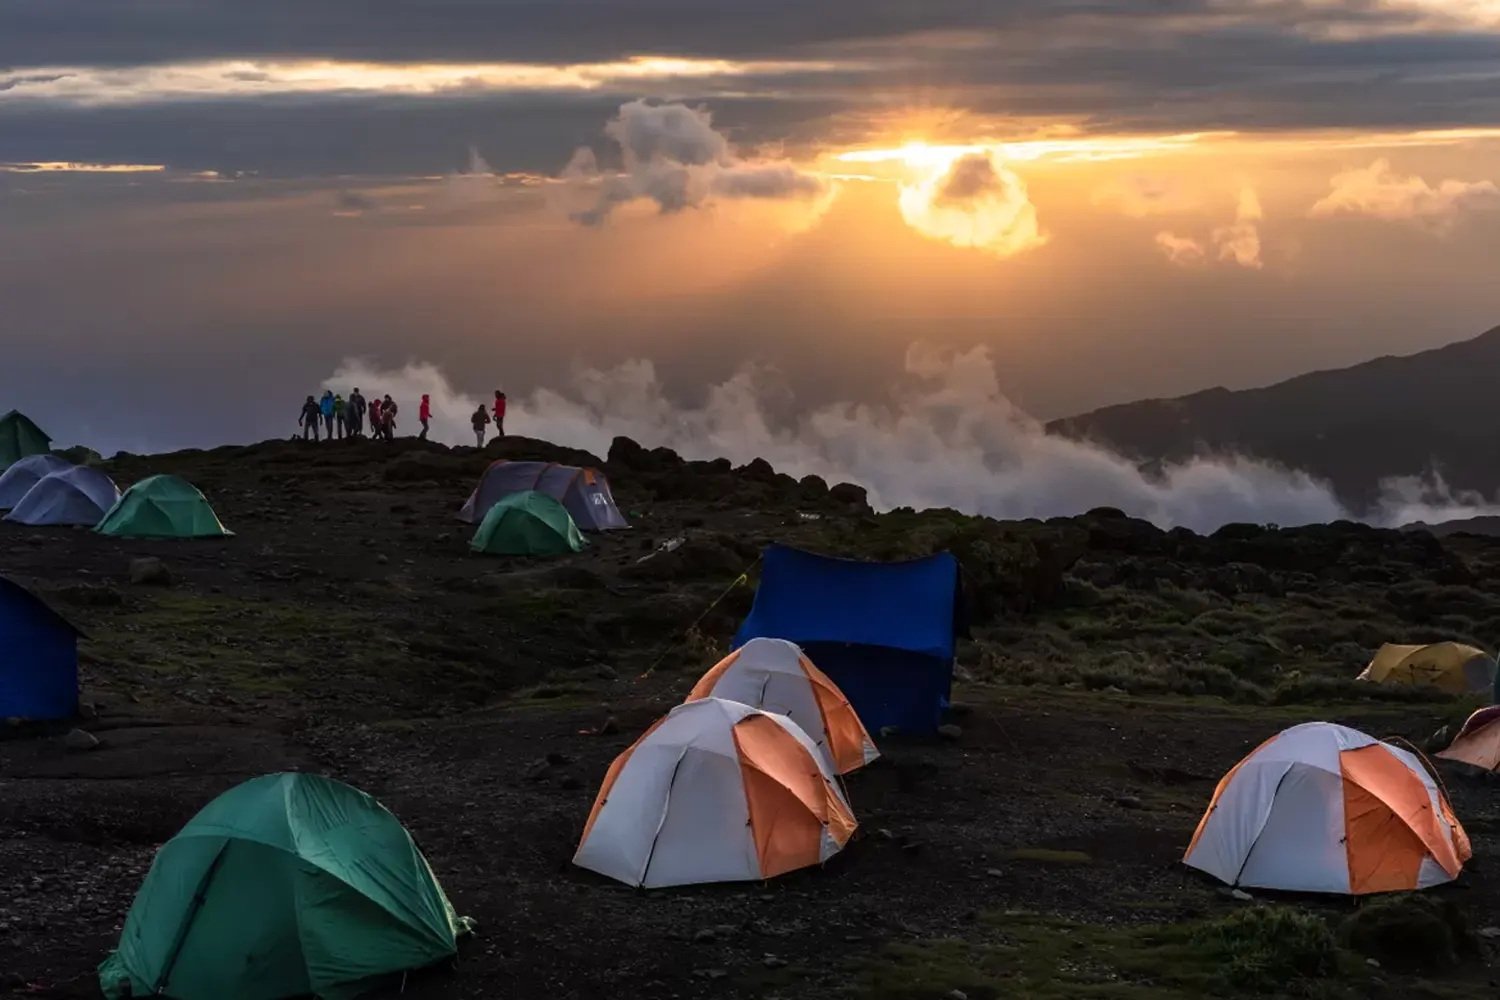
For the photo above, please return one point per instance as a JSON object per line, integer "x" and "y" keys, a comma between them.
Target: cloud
{"x": 1379, "y": 192}
{"x": 673, "y": 156}
{"x": 1240, "y": 240}
{"x": 973, "y": 202}
{"x": 1410, "y": 499}
{"x": 1182, "y": 250}
{"x": 1139, "y": 196}
{"x": 949, "y": 438}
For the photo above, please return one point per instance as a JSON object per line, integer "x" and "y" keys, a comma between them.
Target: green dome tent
{"x": 19, "y": 437}
{"x": 528, "y": 524}
{"x": 284, "y": 886}
{"x": 162, "y": 507}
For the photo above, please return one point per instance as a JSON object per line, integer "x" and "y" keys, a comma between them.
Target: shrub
{"x": 1264, "y": 948}
{"x": 1410, "y": 933}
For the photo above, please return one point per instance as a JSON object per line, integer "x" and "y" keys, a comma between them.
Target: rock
{"x": 957, "y": 995}
{"x": 570, "y": 783}
{"x": 608, "y": 727}
{"x": 814, "y": 487}
{"x": 950, "y": 732}
{"x": 1241, "y": 895}
{"x": 78, "y": 741}
{"x": 382, "y": 559}
{"x": 850, "y": 495}
{"x": 772, "y": 962}
{"x": 705, "y": 936}
{"x": 1489, "y": 932}
{"x": 537, "y": 769}
{"x": 710, "y": 973}
{"x": 149, "y": 571}
{"x": 627, "y": 454}
{"x": 886, "y": 732}
{"x": 994, "y": 872}
{"x": 1129, "y": 802}
{"x": 605, "y": 672}
{"x": 88, "y": 710}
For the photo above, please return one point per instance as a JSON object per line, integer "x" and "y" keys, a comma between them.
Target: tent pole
{"x": 187, "y": 922}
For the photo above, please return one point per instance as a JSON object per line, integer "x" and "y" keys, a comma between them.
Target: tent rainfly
{"x": 20, "y": 437}
{"x": 584, "y": 492}
{"x": 1449, "y": 666}
{"x": 882, "y": 632}
{"x": 38, "y": 657}
{"x": 162, "y": 507}
{"x": 528, "y": 524}
{"x": 776, "y": 676}
{"x": 17, "y": 481}
{"x": 79, "y": 495}
{"x": 287, "y": 885}
{"x": 715, "y": 791}
{"x": 1478, "y": 742}
{"x": 1325, "y": 808}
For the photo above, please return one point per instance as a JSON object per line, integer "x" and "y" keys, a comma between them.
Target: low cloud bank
{"x": 948, "y": 438}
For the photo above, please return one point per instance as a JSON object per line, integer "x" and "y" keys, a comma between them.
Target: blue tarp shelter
{"x": 883, "y": 632}
{"x": 38, "y": 657}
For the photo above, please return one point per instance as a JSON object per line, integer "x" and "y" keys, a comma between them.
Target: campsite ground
{"x": 1116, "y": 672}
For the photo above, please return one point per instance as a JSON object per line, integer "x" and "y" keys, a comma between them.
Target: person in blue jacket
{"x": 326, "y": 405}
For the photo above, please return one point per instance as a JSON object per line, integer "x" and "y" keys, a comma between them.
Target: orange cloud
{"x": 1380, "y": 192}
{"x": 1182, "y": 250}
{"x": 972, "y": 201}
{"x": 1240, "y": 240}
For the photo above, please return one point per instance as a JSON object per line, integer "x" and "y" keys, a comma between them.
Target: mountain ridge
{"x": 1421, "y": 414}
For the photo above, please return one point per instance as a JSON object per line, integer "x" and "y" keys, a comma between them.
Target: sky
{"x": 208, "y": 209}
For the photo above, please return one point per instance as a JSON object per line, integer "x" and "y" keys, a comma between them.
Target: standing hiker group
{"x": 332, "y": 417}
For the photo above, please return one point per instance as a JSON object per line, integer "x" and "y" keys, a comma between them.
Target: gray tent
{"x": 79, "y": 495}
{"x": 584, "y": 492}
{"x": 18, "y": 480}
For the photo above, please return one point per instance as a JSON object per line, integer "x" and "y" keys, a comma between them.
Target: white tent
{"x": 775, "y": 675}
{"x": 78, "y": 494}
{"x": 715, "y": 791}
{"x": 1324, "y": 808}
{"x": 17, "y": 480}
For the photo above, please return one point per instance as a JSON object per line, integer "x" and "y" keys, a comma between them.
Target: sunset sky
{"x": 206, "y": 207}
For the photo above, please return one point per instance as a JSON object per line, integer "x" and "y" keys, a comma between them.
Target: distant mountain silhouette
{"x": 1485, "y": 525}
{"x": 1393, "y": 416}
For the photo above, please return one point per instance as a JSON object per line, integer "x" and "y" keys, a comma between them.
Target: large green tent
{"x": 528, "y": 524}
{"x": 162, "y": 507}
{"x": 284, "y": 886}
{"x": 20, "y": 437}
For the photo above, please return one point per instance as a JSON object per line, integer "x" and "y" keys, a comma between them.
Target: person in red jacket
{"x": 424, "y": 414}
{"x": 498, "y": 411}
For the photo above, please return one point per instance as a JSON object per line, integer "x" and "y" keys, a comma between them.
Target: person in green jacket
{"x": 340, "y": 409}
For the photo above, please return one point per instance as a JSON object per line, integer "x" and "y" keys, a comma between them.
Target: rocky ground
{"x": 1115, "y": 672}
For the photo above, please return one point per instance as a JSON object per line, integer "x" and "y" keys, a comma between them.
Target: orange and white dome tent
{"x": 775, "y": 675}
{"x": 1478, "y": 742}
{"x": 1325, "y": 808}
{"x": 715, "y": 791}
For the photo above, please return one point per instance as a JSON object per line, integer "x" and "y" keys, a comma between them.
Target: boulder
{"x": 149, "y": 571}
{"x": 79, "y": 741}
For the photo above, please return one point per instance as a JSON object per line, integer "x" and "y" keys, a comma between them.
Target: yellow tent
{"x": 1449, "y": 666}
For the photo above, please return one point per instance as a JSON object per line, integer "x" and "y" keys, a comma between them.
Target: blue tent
{"x": 38, "y": 657}
{"x": 883, "y": 632}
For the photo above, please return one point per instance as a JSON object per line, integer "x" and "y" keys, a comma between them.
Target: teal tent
{"x": 19, "y": 437}
{"x": 528, "y": 524}
{"x": 285, "y": 886}
{"x": 162, "y": 507}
